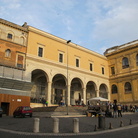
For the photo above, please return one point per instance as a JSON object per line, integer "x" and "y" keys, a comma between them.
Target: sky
{"x": 94, "y": 24}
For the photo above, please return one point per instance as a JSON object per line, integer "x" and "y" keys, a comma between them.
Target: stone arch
{"x": 22, "y": 40}
{"x": 103, "y": 91}
{"x": 76, "y": 91}
{"x": 91, "y": 90}
{"x": 58, "y": 89}
{"x": 39, "y": 91}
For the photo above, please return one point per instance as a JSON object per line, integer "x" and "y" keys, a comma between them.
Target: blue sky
{"x": 93, "y": 24}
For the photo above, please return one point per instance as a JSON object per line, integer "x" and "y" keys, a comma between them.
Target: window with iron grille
{"x": 127, "y": 87}
{"x": 137, "y": 59}
{"x": 125, "y": 63}
{"x": 112, "y": 70}
{"x": 40, "y": 52}
{"x": 9, "y": 36}
{"x": 77, "y": 63}
{"x": 102, "y": 70}
{"x": 114, "y": 89}
{"x": 91, "y": 67}
{"x": 60, "y": 57}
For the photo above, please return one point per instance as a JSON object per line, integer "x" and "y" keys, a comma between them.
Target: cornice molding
{"x": 40, "y": 32}
{"x": 64, "y": 66}
{"x": 2, "y": 21}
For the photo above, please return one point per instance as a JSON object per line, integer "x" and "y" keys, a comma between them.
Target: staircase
{"x": 61, "y": 110}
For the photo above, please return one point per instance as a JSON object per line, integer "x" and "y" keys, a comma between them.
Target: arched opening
{"x": 22, "y": 40}
{"x": 114, "y": 89}
{"x": 137, "y": 59}
{"x": 90, "y": 90}
{"x": 127, "y": 87}
{"x": 39, "y": 90}
{"x": 125, "y": 63}
{"x": 103, "y": 91}
{"x": 76, "y": 93}
{"x": 8, "y": 53}
{"x": 58, "y": 89}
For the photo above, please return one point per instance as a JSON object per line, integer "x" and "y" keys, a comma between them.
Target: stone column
{"x": 68, "y": 95}
{"x": 97, "y": 93}
{"x": 84, "y": 95}
{"x": 49, "y": 93}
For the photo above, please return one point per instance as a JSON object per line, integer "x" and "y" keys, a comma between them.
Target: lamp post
{"x": 67, "y": 76}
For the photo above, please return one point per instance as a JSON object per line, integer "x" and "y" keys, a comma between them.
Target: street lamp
{"x": 67, "y": 76}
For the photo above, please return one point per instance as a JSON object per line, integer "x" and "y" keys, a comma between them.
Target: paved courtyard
{"x": 86, "y": 124}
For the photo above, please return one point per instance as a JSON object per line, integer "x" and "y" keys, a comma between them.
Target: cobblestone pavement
{"x": 86, "y": 124}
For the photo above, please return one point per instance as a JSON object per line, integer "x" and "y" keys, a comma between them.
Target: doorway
{"x": 5, "y": 106}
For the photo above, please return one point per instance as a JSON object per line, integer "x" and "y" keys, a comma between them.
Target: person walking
{"x": 115, "y": 110}
{"x": 119, "y": 110}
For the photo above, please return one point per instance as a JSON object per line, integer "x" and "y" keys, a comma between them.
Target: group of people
{"x": 40, "y": 100}
{"x": 115, "y": 110}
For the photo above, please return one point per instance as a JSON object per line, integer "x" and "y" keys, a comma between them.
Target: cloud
{"x": 94, "y": 24}
{"x": 116, "y": 23}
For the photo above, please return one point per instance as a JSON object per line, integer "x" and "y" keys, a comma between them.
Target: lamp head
{"x": 68, "y": 41}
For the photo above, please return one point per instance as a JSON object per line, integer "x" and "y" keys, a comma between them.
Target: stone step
{"x": 60, "y": 109}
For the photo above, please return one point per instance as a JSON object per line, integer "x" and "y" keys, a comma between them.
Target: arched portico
{"x": 39, "y": 90}
{"x": 58, "y": 89}
{"x": 76, "y": 91}
{"x": 91, "y": 90}
{"x": 103, "y": 91}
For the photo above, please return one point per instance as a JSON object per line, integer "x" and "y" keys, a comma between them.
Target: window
{"x": 91, "y": 67}
{"x": 137, "y": 59}
{"x": 125, "y": 63}
{"x": 40, "y": 52}
{"x": 127, "y": 87}
{"x": 20, "y": 61}
{"x": 102, "y": 70}
{"x": 60, "y": 57}
{"x": 114, "y": 89}
{"x": 112, "y": 70}
{"x": 77, "y": 63}
{"x": 9, "y": 36}
{"x": 8, "y": 53}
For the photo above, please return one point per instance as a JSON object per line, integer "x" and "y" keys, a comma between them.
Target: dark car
{"x": 23, "y": 111}
{"x": 1, "y": 111}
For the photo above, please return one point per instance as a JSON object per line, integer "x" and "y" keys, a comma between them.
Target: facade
{"x": 14, "y": 84}
{"x": 42, "y": 67}
{"x": 123, "y": 72}
{"x": 62, "y": 70}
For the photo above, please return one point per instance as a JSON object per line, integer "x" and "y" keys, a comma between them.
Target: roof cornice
{"x": 40, "y": 32}
{"x": 2, "y": 21}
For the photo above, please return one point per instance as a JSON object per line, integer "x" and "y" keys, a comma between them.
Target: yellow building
{"x": 123, "y": 72}
{"x": 62, "y": 70}
{"x": 38, "y": 65}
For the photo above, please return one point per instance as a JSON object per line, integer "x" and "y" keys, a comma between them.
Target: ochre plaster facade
{"x": 124, "y": 60}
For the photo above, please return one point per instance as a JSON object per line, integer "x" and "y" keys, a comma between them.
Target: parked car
{"x": 1, "y": 111}
{"x": 23, "y": 111}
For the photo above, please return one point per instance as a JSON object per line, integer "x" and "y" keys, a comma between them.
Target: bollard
{"x": 95, "y": 128}
{"x": 56, "y": 125}
{"x": 130, "y": 123}
{"x": 101, "y": 122}
{"x": 76, "y": 125}
{"x": 121, "y": 124}
{"x": 110, "y": 126}
{"x": 36, "y": 125}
